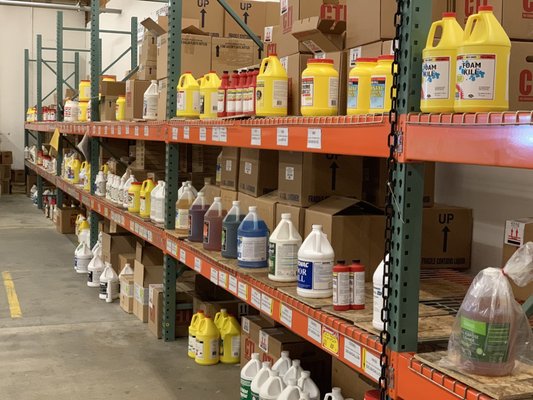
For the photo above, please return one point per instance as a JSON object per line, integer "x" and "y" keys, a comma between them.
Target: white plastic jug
{"x": 259, "y": 379}
{"x": 248, "y": 373}
{"x": 294, "y": 372}
{"x": 308, "y": 386}
{"x": 283, "y": 364}
{"x": 82, "y": 258}
{"x": 124, "y": 191}
{"x": 127, "y": 270}
{"x": 283, "y": 246}
{"x": 150, "y": 101}
{"x": 185, "y": 184}
{"x": 95, "y": 269}
{"x": 377, "y": 294}
{"x": 157, "y": 207}
{"x": 291, "y": 391}
{"x": 100, "y": 183}
{"x": 315, "y": 266}
{"x": 304, "y": 396}
{"x": 97, "y": 248}
{"x": 272, "y": 388}
{"x": 110, "y": 181}
{"x": 334, "y": 395}
{"x": 115, "y": 189}
{"x": 109, "y": 290}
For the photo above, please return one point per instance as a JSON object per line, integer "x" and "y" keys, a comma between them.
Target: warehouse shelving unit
{"x": 497, "y": 139}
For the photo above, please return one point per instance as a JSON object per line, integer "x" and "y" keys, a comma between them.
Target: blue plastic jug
{"x": 252, "y": 241}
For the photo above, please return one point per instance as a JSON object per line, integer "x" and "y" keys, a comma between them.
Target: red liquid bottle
{"x": 357, "y": 285}
{"x": 232, "y": 94}
{"x": 341, "y": 287}
{"x": 222, "y": 95}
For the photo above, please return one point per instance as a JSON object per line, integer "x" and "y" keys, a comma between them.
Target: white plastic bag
{"x": 491, "y": 331}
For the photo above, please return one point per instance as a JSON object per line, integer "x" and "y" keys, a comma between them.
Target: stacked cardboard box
{"x": 110, "y": 92}
{"x": 149, "y": 156}
{"x": 66, "y": 219}
{"x": 6, "y": 160}
{"x": 18, "y": 181}
{"x": 256, "y": 14}
{"x": 115, "y": 244}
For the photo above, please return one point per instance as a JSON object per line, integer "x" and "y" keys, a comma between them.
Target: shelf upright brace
{"x": 59, "y": 65}
{"x": 26, "y": 92}
{"x": 133, "y": 50}
{"x": 40, "y": 183}
{"x": 170, "y": 272}
{"x": 76, "y": 70}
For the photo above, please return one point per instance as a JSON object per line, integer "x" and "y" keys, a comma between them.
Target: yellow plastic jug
{"x": 146, "y": 197}
{"x": 105, "y": 169}
{"x": 82, "y": 225}
{"x": 188, "y": 101}
{"x": 359, "y": 86}
{"x": 82, "y": 111}
{"x": 74, "y": 173}
{"x": 439, "y": 65}
{"x": 483, "y": 65}
{"x": 230, "y": 341}
{"x": 320, "y": 88}
{"x": 220, "y": 317}
{"x": 134, "y": 197}
{"x": 120, "y": 109}
{"x": 84, "y": 90}
{"x": 207, "y": 343}
{"x": 209, "y": 95}
{"x": 380, "y": 85}
{"x": 193, "y": 330}
{"x": 272, "y": 90}
{"x": 87, "y": 183}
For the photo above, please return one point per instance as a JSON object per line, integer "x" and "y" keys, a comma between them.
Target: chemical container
{"x": 157, "y": 203}
{"x": 294, "y": 372}
{"x": 252, "y": 241}
{"x": 283, "y": 364}
{"x": 320, "y": 88}
{"x": 209, "y": 95}
{"x": 191, "y": 187}
{"x": 125, "y": 182}
{"x": 439, "y": 65}
{"x": 87, "y": 179}
{"x": 380, "y": 85}
{"x": 357, "y": 285}
{"x": 272, "y": 88}
{"x": 248, "y": 373}
{"x": 483, "y": 65}
{"x": 359, "y": 86}
{"x": 120, "y": 108}
{"x": 232, "y": 94}
{"x": 213, "y": 226}
{"x": 220, "y": 317}
{"x": 134, "y": 197}
{"x": 188, "y": 100}
{"x": 230, "y": 226}
{"x": 183, "y": 205}
{"x": 239, "y": 92}
{"x": 196, "y": 218}
{"x": 193, "y": 330}
{"x": 208, "y": 189}
{"x": 377, "y": 295}
{"x": 207, "y": 343}
{"x": 230, "y": 341}
{"x": 272, "y": 388}
{"x": 109, "y": 289}
{"x": 82, "y": 111}
{"x": 95, "y": 269}
{"x": 372, "y": 395}
{"x": 145, "y": 198}
{"x": 315, "y": 265}
{"x": 74, "y": 171}
{"x": 82, "y": 257}
{"x": 101, "y": 183}
{"x": 336, "y": 394}
{"x": 259, "y": 379}
{"x": 127, "y": 270}
{"x": 283, "y": 246}
{"x": 308, "y": 386}
{"x": 222, "y": 95}
{"x": 150, "y": 101}
{"x": 291, "y": 391}
{"x": 84, "y": 90}
{"x": 341, "y": 287}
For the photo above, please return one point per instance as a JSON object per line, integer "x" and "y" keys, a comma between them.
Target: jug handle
{"x": 470, "y": 25}
{"x": 145, "y": 183}
{"x": 431, "y": 34}
{"x": 328, "y": 396}
{"x": 264, "y": 64}
{"x": 202, "y": 323}
{"x": 182, "y": 78}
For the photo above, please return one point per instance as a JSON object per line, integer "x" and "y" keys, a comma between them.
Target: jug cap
{"x": 217, "y": 199}
{"x": 485, "y": 8}
{"x": 236, "y": 203}
{"x": 317, "y": 227}
{"x": 286, "y": 216}
{"x": 200, "y": 311}
{"x": 255, "y": 356}
{"x": 449, "y": 14}
{"x": 386, "y": 57}
{"x": 252, "y": 209}
{"x": 366, "y": 59}
{"x": 284, "y": 353}
{"x": 320, "y": 61}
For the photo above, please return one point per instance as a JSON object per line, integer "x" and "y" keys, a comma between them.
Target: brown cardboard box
{"x": 114, "y": 244}
{"x": 209, "y": 13}
{"x": 211, "y": 191}
{"x": 125, "y": 258}
{"x": 148, "y": 255}
{"x": 162, "y": 100}
{"x": 149, "y": 156}
{"x": 66, "y": 219}
{"x": 114, "y": 89}
{"x": 208, "y": 291}
{"x": 352, "y": 384}
{"x": 147, "y": 70}
{"x": 293, "y": 10}
{"x": 250, "y": 328}
{"x": 5, "y": 186}
{"x": 7, "y": 157}
{"x": 228, "y": 54}
{"x": 317, "y": 37}
{"x": 5, "y": 172}
{"x": 297, "y": 216}
{"x": 253, "y": 13}
{"x": 18, "y": 175}
{"x": 266, "y": 207}
{"x": 517, "y": 233}
{"x": 446, "y": 237}
{"x": 142, "y": 277}
{"x": 521, "y": 76}
{"x": 162, "y": 57}
{"x": 227, "y": 197}
{"x": 229, "y": 178}
{"x": 258, "y": 172}
{"x": 354, "y": 228}
{"x": 235, "y": 307}
{"x": 368, "y": 50}
{"x": 295, "y": 65}
{"x": 184, "y": 311}
{"x": 148, "y": 48}
{"x": 126, "y": 293}
{"x": 281, "y": 44}
{"x": 108, "y": 107}
{"x": 305, "y": 179}
{"x": 465, "y": 8}
{"x": 135, "y": 97}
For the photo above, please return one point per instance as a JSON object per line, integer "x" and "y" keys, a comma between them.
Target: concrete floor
{"x": 68, "y": 344}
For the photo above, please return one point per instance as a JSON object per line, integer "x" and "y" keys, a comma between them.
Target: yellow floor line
{"x": 12, "y": 298}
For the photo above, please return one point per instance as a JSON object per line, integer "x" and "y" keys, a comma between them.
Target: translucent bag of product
{"x": 491, "y": 331}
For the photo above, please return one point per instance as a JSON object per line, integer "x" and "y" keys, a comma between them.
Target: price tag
{"x": 371, "y": 365}
{"x": 186, "y": 132}
{"x": 330, "y": 340}
{"x": 197, "y": 264}
{"x": 169, "y": 246}
{"x": 314, "y": 330}
{"x": 174, "y": 133}
{"x": 256, "y": 137}
{"x": 105, "y": 130}
{"x": 99, "y": 130}
{"x": 223, "y": 279}
{"x": 256, "y": 298}
{"x": 223, "y": 134}
{"x": 203, "y": 134}
{"x": 112, "y": 129}
{"x": 352, "y": 352}
{"x": 267, "y": 305}
{"x": 127, "y": 129}
{"x": 282, "y": 137}
{"x": 285, "y": 314}
{"x": 233, "y": 284}
{"x": 136, "y": 131}
{"x": 314, "y": 138}
{"x": 242, "y": 291}
{"x": 214, "y": 276}
{"x": 146, "y": 131}
{"x": 183, "y": 256}
{"x": 119, "y": 130}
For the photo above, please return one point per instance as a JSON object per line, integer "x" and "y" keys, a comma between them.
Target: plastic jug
{"x": 122, "y": 193}
{"x": 359, "y": 86}
{"x": 272, "y": 388}
{"x": 188, "y": 100}
{"x": 230, "y": 226}
{"x": 83, "y": 172}
{"x": 259, "y": 379}
{"x": 439, "y": 65}
{"x": 75, "y": 167}
{"x": 213, "y": 225}
{"x": 294, "y": 372}
{"x": 252, "y": 241}
{"x": 109, "y": 289}
{"x": 335, "y": 394}
{"x": 248, "y": 373}
{"x": 196, "y": 218}
{"x": 377, "y": 294}
{"x": 239, "y": 91}
{"x": 207, "y": 343}
{"x": 80, "y": 218}
{"x": 87, "y": 179}
{"x": 84, "y": 231}
{"x": 320, "y": 88}
{"x": 120, "y": 109}
{"x": 183, "y": 205}
{"x": 127, "y": 270}
{"x": 191, "y": 187}
{"x": 283, "y": 246}
{"x": 210, "y": 190}
{"x": 70, "y": 113}
{"x": 145, "y": 198}
{"x": 109, "y": 184}
{"x": 283, "y": 364}
{"x": 82, "y": 257}
{"x": 341, "y": 287}
{"x": 209, "y": 95}
{"x": 150, "y": 101}
{"x": 483, "y": 65}
{"x": 230, "y": 341}
{"x": 380, "y": 85}
{"x": 134, "y": 197}
{"x": 315, "y": 265}
{"x": 193, "y": 330}
{"x": 308, "y": 386}
{"x": 97, "y": 248}
{"x": 95, "y": 269}
{"x": 291, "y": 391}
{"x": 84, "y": 90}
{"x": 272, "y": 88}
{"x": 246, "y": 93}
{"x": 82, "y": 111}
{"x": 222, "y": 95}
{"x": 357, "y": 285}
{"x": 220, "y": 317}
{"x": 232, "y": 94}
{"x": 157, "y": 203}
{"x": 101, "y": 183}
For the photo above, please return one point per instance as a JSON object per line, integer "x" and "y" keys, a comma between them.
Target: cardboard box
{"x": 227, "y": 197}
{"x": 255, "y": 14}
{"x": 211, "y": 191}
{"x": 108, "y": 108}
{"x": 126, "y": 258}
{"x": 465, "y": 8}
{"x": 18, "y": 176}
{"x": 521, "y": 76}
{"x": 305, "y": 178}
{"x": 258, "y": 171}
{"x": 266, "y": 207}
{"x": 281, "y": 44}
{"x": 295, "y": 65}
{"x": 250, "y": 328}
{"x": 235, "y": 307}
{"x": 7, "y": 157}
{"x": 148, "y": 47}
{"x": 5, "y": 186}
{"x": 114, "y": 89}
{"x": 143, "y": 276}
{"x": 228, "y": 54}
{"x": 184, "y": 311}
{"x": 229, "y": 175}
{"x": 446, "y": 237}
{"x": 162, "y": 100}
{"x": 66, "y": 219}
{"x": 368, "y": 50}
{"x": 147, "y": 70}
{"x": 126, "y": 293}
{"x": 209, "y": 13}
{"x": 293, "y": 10}
{"x": 148, "y": 255}
{"x": 135, "y": 98}
{"x": 115, "y": 244}
{"x": 297, "y": 216}
{"x": 5, "y": 172}
{"x": 162, "y": 57}
{"x": 517, "y": 233}
{"x": 319, "y": 37}
{"x": 352, "y": 383}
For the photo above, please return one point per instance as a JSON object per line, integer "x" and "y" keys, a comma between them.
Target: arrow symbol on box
{"x": 445, "y": 232}
{"x": 218, "y": 51}
{"x": 246, "y": 15}
{"x": 334, "y": 166}
{"x": 203, "y": 12}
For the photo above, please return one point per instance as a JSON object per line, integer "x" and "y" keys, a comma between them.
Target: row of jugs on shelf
{"x": 214, "y": 340}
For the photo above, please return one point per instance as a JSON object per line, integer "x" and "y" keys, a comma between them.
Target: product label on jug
{"x": 224, "y": 238}
{"x": 341, "y": 288}
{"x": 308, "y": 89}
{"x": 353, "y": 92}
{"x": 182, "y": 219}
{"x": 246, "y": 392}
{"x": 377, "y": 91}
{"x": 232, "y": 95}
{"x": 200, "y": 350}
{"x": 236, "y": 346}
{"x": 280, "y": 93}
{"x": 221, "y": 101}
{"x": 192, "y": 344}
{"x": 142, "y": 208}
{"x": 475, "y": 76}
{"x": 252, "y": 249}
{"x": 436, "y": 78}
{"x": 103, "y": 288}
{"x": 315, "y": 275}
{"x": 206, "y": 232}
{"x": 333, "y": 93}
{"x": 485, "y": 342}
{"x": 181, "y": 100}
{"x": 283, "y": 259}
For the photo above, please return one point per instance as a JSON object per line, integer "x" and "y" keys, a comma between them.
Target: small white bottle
{"x": 150, "y": 101}
{"x": 336, "y": 394}
{"x": 272, "y": 388}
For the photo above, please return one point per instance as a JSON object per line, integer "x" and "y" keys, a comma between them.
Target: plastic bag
{"x": 491, "y": 331}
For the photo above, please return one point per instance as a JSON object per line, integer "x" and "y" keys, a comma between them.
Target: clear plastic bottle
{"x": 183, "y": 205}
{"x": 252, "y": 241}
{"x": 196, "y": 218}
{"x": 230, "y": 226}
{"x": 213, "y": 225}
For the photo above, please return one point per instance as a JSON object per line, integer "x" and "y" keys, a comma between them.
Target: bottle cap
{"x": 286, "y": 216}
{"x": 449, "y": 14}
{"x": 485, "y": 8}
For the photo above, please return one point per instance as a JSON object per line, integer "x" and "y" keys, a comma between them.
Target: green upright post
{"x": 59, "y": 65}
{"x": 39, "y": 78}
{"x": 133, "y": 51}
{"x": 26, "y": 91}
{"x": 76, "y": 70}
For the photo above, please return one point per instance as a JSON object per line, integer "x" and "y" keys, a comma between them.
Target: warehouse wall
{"x": 27, "y": 23}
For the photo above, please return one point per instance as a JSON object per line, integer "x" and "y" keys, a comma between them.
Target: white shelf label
{"x": 183, "y": 256}
{"x": 197, "y": 264}
{"x": 263, "y": 341}
{"x": 371, "y": 365}
{"x": 256, "y": 298}
{"x": 169, "y": 246}
{"x": 174, "y": 133}
{"x": 112, "y": 129}
{"x": 146, "y": 131}
{"x": 242, "y": 291}
{"x": 223, "y": 134}
{"x": 286, "y": 315}
{"x": 223, "y": 279}
{"x": 256, "y": 137}
{"x": 215, "y": 135}
{"x": 352, "y": 352}
{"x": 186, "y": 133}
{"x": 233, "y": 284}
{"x": 214, "y": 276}
{"x": 245, "y": 325}
{"x": 136, "y": 131}
{"x": 314, "y": 138}
{"x": 105, "y": 130}
{"x": 127, "y": 129}
{"x": 282, "y": 137}
{"x": 119, "y": 130}
{"x": 267, "y": 305}
{"x": 314, "y": 330}
{"x": 203, "y": 134}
